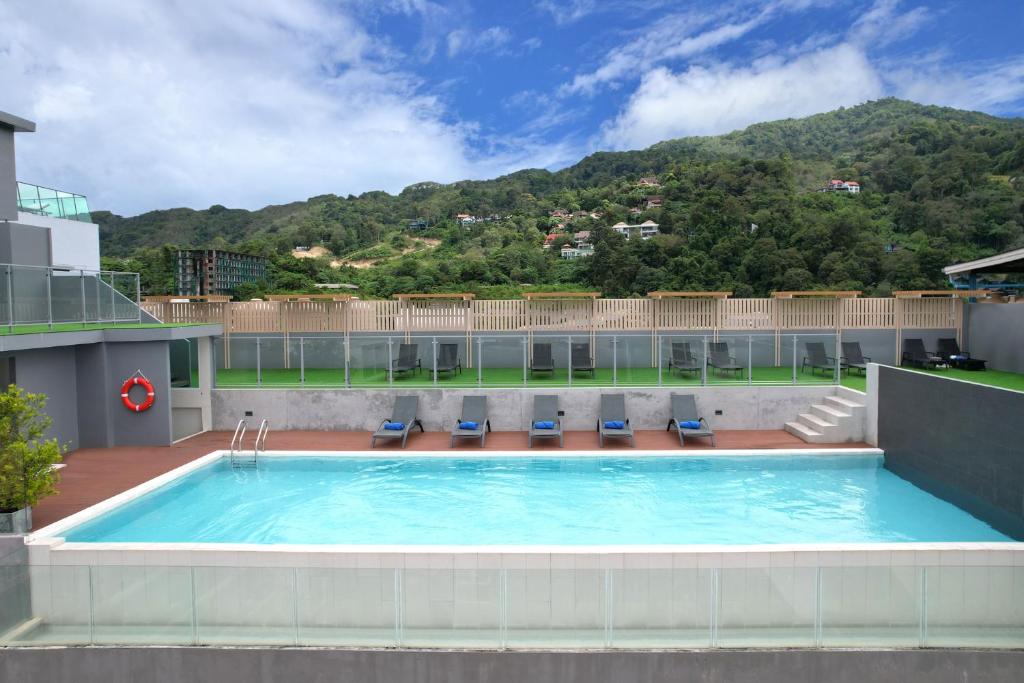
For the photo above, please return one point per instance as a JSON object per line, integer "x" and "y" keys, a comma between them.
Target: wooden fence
{"x": 586, "y": 315}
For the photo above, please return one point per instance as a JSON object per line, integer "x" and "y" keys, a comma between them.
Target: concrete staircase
{"x": 837, "y": 419}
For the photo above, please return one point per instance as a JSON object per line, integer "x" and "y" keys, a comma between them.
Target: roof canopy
{"x": 689, "y": 295}
{"x": 1008, "y": 262}
{"x": 851, "y": 294}
{"x": 211, "y": 298}
{"x": 308, "y": 297}
{"x": 533, "y": 296}
{"x": 919, "y": 293}
{"x": 465, "y": 296}
{"x": 19, "y": 124}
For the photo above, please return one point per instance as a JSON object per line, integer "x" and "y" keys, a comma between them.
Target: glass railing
{"x": 45, "y": 201}
{"x": 38, "y": 298}
{"x": 517, "y": 360}
{"x": 588, "y": 608}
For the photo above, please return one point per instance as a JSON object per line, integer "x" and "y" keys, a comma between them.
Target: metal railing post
{"x": 345, "y": 353}
{"x": 569, "y": 347}
{"x": 391, "y": 363}
{"x": 302, "y": 361}
{"x": 99, "y": 306}
{"x": 750, "y": 359}
{"x": 433, "y": 344}
{"x": 113, "y": 305}
{"x": 259, "y": 367}
{"x": 49, "y": 299}
{"x": 839, "y": 360}
{"x": 615, "y": 361}
{"x": 704, "y": 368}
{"x": 526, "y": 361}
{"x": 794, "y": 359}
{"x": 659, "y": 360}
{"x": 138, "y": 297}
{"x": 479, "y": 361}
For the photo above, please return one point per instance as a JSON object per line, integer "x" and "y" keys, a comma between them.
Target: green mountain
{"x": 938, "y": 185}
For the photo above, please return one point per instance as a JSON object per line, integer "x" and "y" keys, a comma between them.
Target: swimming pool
{"x": 526, "y": 500}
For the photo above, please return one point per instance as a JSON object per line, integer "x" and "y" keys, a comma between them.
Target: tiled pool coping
{"x": 47, "y": 546}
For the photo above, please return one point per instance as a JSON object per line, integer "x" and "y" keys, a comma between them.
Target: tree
{"x": 26, "y": 457}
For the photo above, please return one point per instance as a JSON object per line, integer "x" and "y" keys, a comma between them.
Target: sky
{"x": 154, "y": 104}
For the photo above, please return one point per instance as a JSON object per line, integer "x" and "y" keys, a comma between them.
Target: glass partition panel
{"x": 974, "y": 606}
{"x": 321, "y": 359}
{"x": 448, "y": 358}
{"x": 682, "y": 359}
{"x": 584, "y": 361}
{"x": 237, "y": 361}
{"x": 67, "y": 292}
{"x": 661, "y": 608}
{"x": 499, "y": 360}
{"x": 411, "y": 361}
{"x": 6, "y": 298}
{"x": 815, "y": 358}
{"x": 765, "y": 607}
{"x": 278, "y": 361}
{"x": 636, "y": 360}
{"x": 556, "y": 608}
{"x": 151, "y": 605}
{"x": 48, "y": 202}
{"x": 184, "y": 356}
{"x": 871, "y": 606}
{"x": 451, "y": 607}
{"x": 245, "y": 605}
{"x": 729, "y": 359}
{"x": 548, "y": 360}
{"x": 352, "y": 607}
{"x": 29, "y": 295}
{"x": 60, "y": 607}
{"x": 126, "y": 294}
{"x": 369, "y": 359}
{"x": 761, "y": 350}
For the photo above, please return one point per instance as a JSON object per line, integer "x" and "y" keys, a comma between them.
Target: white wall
{"x": 72, "y": 243}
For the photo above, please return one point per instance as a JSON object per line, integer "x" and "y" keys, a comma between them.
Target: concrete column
{"x": 206, "y": 370}
{"x": 871, "y": 403}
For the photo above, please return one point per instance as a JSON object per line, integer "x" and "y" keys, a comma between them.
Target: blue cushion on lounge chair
{"x": 614, "y": 424}
{"x": 468, "y": 424}
{"x": 394, "y": 426}
{"x": 690, "y": 424}
{"x": 544, "y": 424}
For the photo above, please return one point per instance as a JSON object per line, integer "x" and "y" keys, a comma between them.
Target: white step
{"x": 844, "y": 404}
{"x": 829, "y": 413}
{"x": 818, "y": 424}
{"x": 805, "y": 433}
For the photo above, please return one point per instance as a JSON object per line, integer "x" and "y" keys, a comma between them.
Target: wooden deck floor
{"x": 95, "y": 474}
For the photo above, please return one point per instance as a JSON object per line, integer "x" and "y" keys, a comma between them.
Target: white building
{"x": 645, "y": 230}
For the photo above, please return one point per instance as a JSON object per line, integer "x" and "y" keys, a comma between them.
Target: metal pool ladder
{"x": 240, "y": 459}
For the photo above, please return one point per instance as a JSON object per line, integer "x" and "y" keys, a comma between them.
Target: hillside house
{"x": 570, "y": 252}
{"x": 581, "y": 239}
{"x": 655, "y": 202}
{"x": 559, "y": 213}
{"x": 645, "y": 230}
{"x": 850, "y": 186}
{"x": 649, "y": 181}
{"x": 550, "y": 239}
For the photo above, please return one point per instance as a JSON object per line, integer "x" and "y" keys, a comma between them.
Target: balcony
{"x": 45, "y": 201}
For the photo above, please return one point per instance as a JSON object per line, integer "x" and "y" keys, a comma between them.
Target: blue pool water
{"x": 527, "y": 500}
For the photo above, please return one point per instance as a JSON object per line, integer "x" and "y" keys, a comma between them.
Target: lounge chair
{"x": 613, "y": 410}
{"x": 914, "y": 354}
{"x": 853, "y": 359}
{"x": 448, "y": 359}
{"x": 545, "y": 409}
{"x": 474, "y": 412}
{"x": 542, "y": 360}
{"x": 949, "y": 351}
{"x": 720, "y": 359}
{"x": 581, "y": 360}
{"x": 408, "y": 359}
{"x": 682, "y": 359}
{"x": 818, "y": 359}
{"x": 403, "y": 413}
{"x": 684, "y": 412}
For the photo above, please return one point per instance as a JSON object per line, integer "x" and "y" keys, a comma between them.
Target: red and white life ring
{"x": 145, "y": 384}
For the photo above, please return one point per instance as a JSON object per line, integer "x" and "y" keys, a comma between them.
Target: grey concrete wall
{"x": 994, "y": 332}
{"x": 91, "y": 371}
{"x": 24, "y": 245}
{"x": 960, "y": 441}
{"x": 8, "y": 177}
{"x": 754, "y": 407}
{"x": 272, "y": 665}
{"x": 152, "y": 427}
{"x": 52, "y": 372}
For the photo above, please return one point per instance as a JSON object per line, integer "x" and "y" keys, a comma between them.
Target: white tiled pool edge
{"x": 47, "y": 547}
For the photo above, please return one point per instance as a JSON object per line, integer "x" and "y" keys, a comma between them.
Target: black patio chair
{"x": 682, "y": 359}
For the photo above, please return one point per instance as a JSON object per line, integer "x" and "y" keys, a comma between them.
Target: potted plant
{"x": 27, "y": 460}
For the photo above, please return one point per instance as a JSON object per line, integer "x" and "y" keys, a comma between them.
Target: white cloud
{"x": 156, "y": 104}
{"x": 568, "y": 12}
{"x": 722, "y": 98}
{"x": 469, "y": 41}
{"x": 987, "y": 87}
{"x": 883, "y": 23}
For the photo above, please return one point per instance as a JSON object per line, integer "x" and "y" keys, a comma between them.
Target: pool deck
{"x": 95, "y": 474}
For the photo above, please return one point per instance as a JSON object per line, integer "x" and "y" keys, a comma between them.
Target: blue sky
{"x": 162, "y": 103}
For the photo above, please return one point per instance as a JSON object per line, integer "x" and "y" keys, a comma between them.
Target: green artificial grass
{"x": 80, "y": 327}
{"x": 513, "y": 377}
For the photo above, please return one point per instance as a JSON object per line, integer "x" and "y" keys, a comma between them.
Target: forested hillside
{"x": 938, "y": 185}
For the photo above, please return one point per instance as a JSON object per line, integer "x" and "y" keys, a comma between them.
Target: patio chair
{"x": 720, "y": 359}
{"x": 581, "y": 360}
{"x": 687, "y": 420}
{"x": 545, "y": 411}
{"x": 408, "y": 359}
{"x": 949, "y": 351}
{"x": 448, "y": 359}
{"x": 818, "y": 359}
{"x": 915, "y": 355}
{"x": 542, "y": 359}
{"x": 612, "y": 421}
{"x": 682, "y": 359}
{"x": 853, "y": 359}
{"x": 473, "y": 422}
{"x": 403, "y": 419}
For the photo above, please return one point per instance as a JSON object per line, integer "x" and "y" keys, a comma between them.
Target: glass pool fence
{"x": 513, "y": 360}
{"x": 590, "y": 608}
